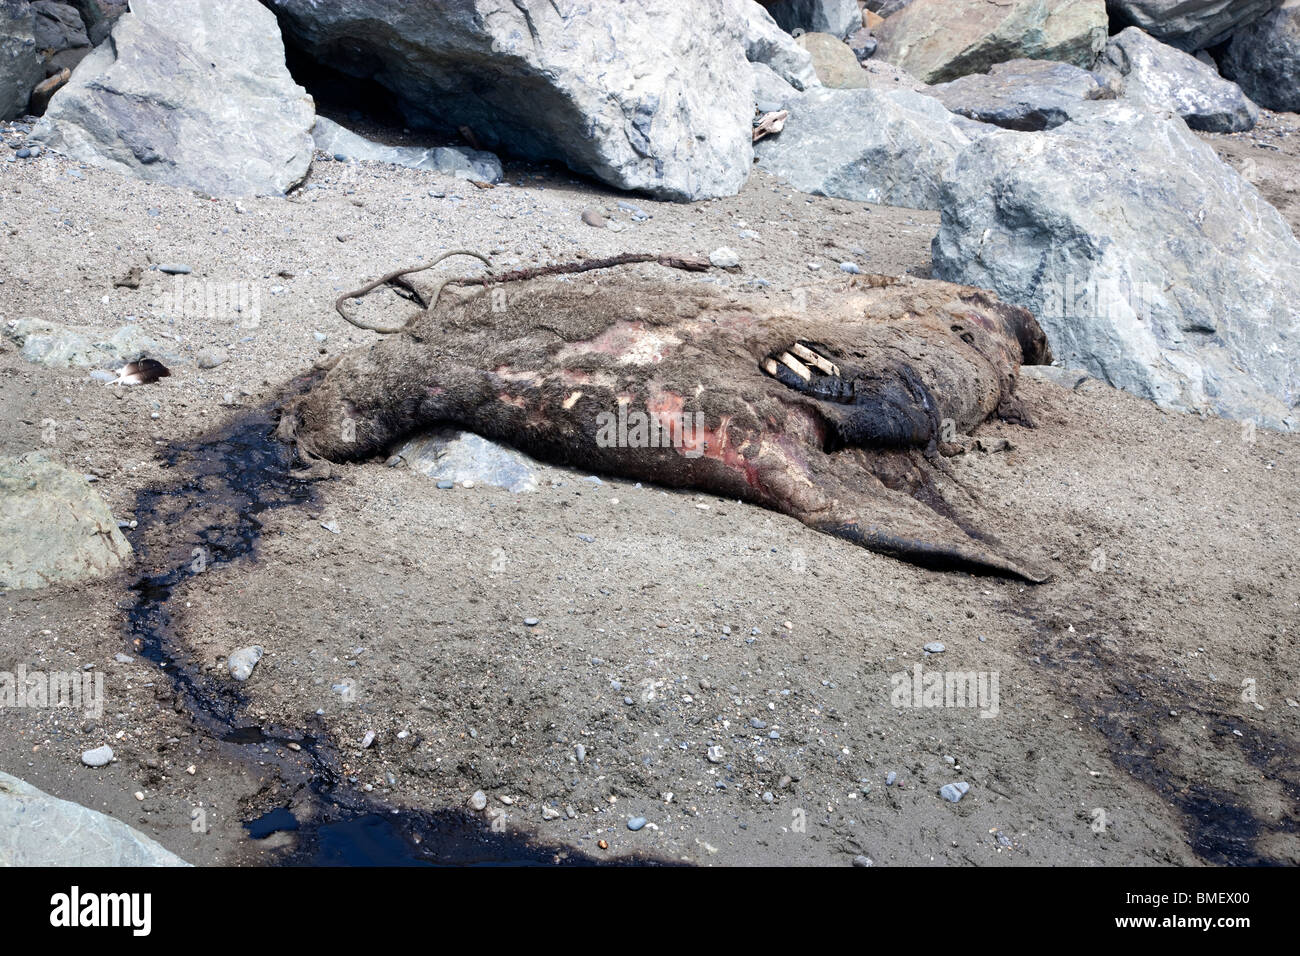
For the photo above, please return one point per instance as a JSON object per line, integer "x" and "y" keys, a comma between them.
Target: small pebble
{"x": 99, "y": 757}
{"x": 724, "y": 257}
{"x": 952, "y": 792}
{"x": 478, "y": 801}
{"x": 175, "y": 269}
{"x": 636, "y": 823}
{"x": 935, "y": 647}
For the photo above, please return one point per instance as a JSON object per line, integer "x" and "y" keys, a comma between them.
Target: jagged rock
{"x": 836, "y": 64}
{"x": 836, "y": 17}
{"x": 20, "y": 62}
{"x": 768, "y": 44}
{"x": 475, "y": 164}
{"x": 771, "y": 93}
{"x": 448, "y": 454}
{"x": 1190, "y": 25}
{"x": 58, "y": 346}
{"x": 1166, "y": 78}
{"x": 202, "y": 100}
{"x": 1264, "y": 58}
{"x": 882, "y": 75}
{"x": 1147, "y": 260}
{"x": 869, "y": 145}
{"x": 940, "y": 40}
{"x": 1022, "y": 94}
{"x": 653, "y": 95}
{"x": 56, "y": 528}
{"x": 886, "y": 8}
{"x": 37, "y": 829}
{"x": 60, "y": 35}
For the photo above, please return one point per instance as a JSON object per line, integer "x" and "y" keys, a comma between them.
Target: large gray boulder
{"x": 869, "y": 145}
{"x": 37, "y": 829}
{"x": 1264, "y": 58}
{"x": 1022, "y": 94}
{"x": 1190, "y": 25}
{"x": 20, "y": 63}
{"x": 836, "y": 17}
{"x": 474, "y": 164}
{"x": 1147, "y": 260}
{"x": 940, "y": 40}
{"x": 1166, "y": 78}
{"x": 653, "y": 95}
{"x": 56, "y": 529}
{"x": 60, "y": 34}
{"x": 768, "y": 44}
{"x": 200, "y": 99}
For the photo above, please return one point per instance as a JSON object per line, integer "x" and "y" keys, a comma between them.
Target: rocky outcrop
{"x": 56, "y": 529}
{"x": 1147, "y": 260}
{"x": 836, "y": 17}
{"x": 1264, "y": 58}
{"x": 60, "y": 35}
{"x": 202, "y": 100}
{"x": 60, "y": 346}
{"x": 652, "y": 96}
{"x": 1190, "y": 25}
{"x": 868, "y": 145}
{"x": 474, "y": 164}
{"x": 1165, "y": 78}
{"x": 20, "y": 63}
{"x": 1022, "y": 94}
{"x": 37, "y": 829}
{"x": 940, "y": 40}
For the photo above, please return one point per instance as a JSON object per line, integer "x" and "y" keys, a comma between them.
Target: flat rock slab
{"x": 448, "y": 454}
{"x": 834, "y": 61}
{"x": 940, "y": 40}
{"x": 475, "y": 164}
{"x": 56, "y": 528}
{"x": 1162, "y": 77}
{"x": 59, "y": 346}
{"x": 1022, "y": 94}
{"x": 201, "y": 100}
{"x": 37, "y": 829}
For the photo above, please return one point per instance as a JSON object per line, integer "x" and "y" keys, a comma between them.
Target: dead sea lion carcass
{"x": 832, "y": 414}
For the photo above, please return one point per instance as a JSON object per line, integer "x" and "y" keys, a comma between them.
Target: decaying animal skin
{"x": 850, "y": 449}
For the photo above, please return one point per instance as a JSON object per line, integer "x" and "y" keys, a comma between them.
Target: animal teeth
{"x": 794, "y": 365}
{"x": 769, "y": 366}
{"x": 812, "y": 358}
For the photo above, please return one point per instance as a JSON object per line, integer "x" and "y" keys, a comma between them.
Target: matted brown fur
{"x": 544, "y": 365}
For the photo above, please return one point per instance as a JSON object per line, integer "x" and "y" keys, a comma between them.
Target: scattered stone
{"x": 935, "y": 647}
{"x": 212, "y": 357}
{"x": 478, "y": 800}
{"x": 58, "y": 346}
{"x": 368, "y": 740}
{"x": 636, "y": 823}
{"x": 953, "y": 792}
{"x": 715, "y": 754}
{"x": 242, "y": 662}
{"x": 593, "y": 218}
{"x": 890, "y": 778}
{"x": 863, "y": 861}
{"x": 99, "y": 757}
{"x": 724, "y": 257}
{"x": 175, "y": 268}
{"x": 532, "y": 621}
{"x": 550, "y": 813}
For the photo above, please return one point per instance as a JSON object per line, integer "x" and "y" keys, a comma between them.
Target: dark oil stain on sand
{"x": 209, "y": 514}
